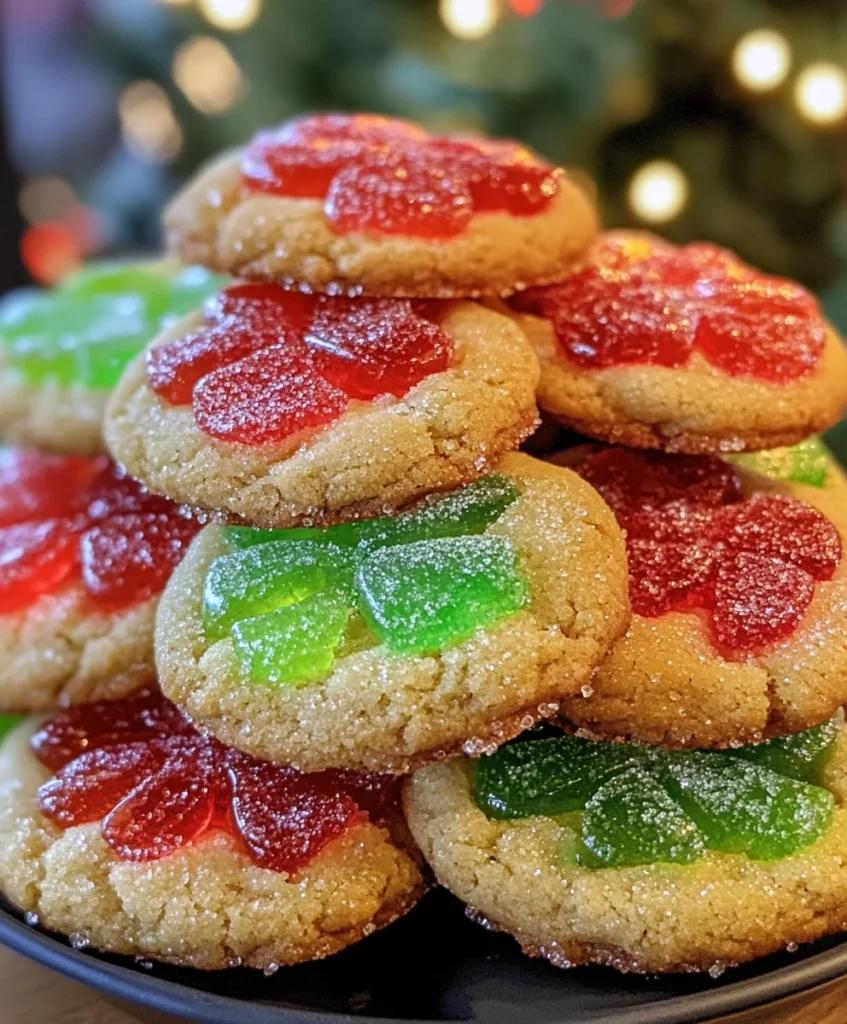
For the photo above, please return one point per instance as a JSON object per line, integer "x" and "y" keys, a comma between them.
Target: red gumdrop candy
{"x": 758, "y": 601}
{"x": 34, "y": 485}
{"x": 242, "y": 319}
{"x": 266, "y": 398}
{"x": 129, "y": 558}
{"x": 301, "y": 158}
{"x": 667, "y": 576}
{"x": 779, "y": 526}
{"x": 285, "y": 817}
{"x": 89, "y": 787}
{"x": 370, "y": 347}
{"x": 112, "y": 492}
{"x": 84, "y": 727}
{"x": 633, "y": 482}
{"x": 399, "y": 197}
{"x": 782, "y": 331}
{"x": 170, "y": 809}
{"x": 34, "y": 558}
{"x": 501, "y": 175}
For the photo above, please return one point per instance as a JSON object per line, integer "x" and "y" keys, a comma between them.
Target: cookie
{"x": 385, "y": 644}
{"x": 640, "y": 859}
{"x": 84, "y": 554}
{"x": 62, "y": 351}
{"x": 123, "y": 828}
{"x": 366, "y": 205}
{"x": 686, "y": 350}
{"x": 739, "y": 593}
{"x": 281, "y": 408}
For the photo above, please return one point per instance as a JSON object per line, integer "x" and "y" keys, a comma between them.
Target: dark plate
{"x": 434, "y": 965}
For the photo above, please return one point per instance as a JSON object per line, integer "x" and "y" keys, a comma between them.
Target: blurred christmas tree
{"x": 747, "y": 125}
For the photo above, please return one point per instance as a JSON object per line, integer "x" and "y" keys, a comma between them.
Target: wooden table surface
{"x": 30, "y": 994}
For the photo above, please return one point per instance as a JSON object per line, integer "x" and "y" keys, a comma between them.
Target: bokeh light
{"x": 469, "y": 19}
{"x": 821, "y": 93}
{"x": 45, "y": 197}
{"x": 149, "y": 125}
{"x": 50, "y": 252}
{"x": 231, "y": 15}
{"x": 658, "y": 192}
{"x": 761, "y": 60}
{"x": 208, "y": 74}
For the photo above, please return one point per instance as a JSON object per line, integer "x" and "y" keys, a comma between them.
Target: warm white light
{"x": 658, "y": 192}
{"x": 231, "y": 15}
{"x": 821, "y": 93}
{"x": 469, "y": 19}
{"x": 207, "y": 73}
{"x": 150, "y": 128}
{"x": 761, "y": 60}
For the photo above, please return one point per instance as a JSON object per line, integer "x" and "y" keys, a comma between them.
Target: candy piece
{"x": 547, "y": 777}
{"x": 264, "y": 578}
{"x": 644, "y": 302}
{"x": 389, "y": 177}
{"x": 35, "y": 485}
{"x": 129, "y": 558}
{"x": 370, "y": 347}
{"x": 746, "y": 808}
{"x": 802, "y": 756}
{"x": 295, "y": 644}
{"x": 8, "y": 723}
{"x": 692, "y": 543}
{"x": 265, "y": 398}
{"x": 34, "y": 559}
{"x": 157, "y": 786}
{"x": 644, "y": 805}
{"x": 168, "y": 810}
{"x": 271, "y": 802}
{"x": 398, "y": 197}
{"x": 424, "y": 596}
{"x": 632, "y": 820}
{"x": 84, "y": 333}
{"x": 465, "y": 511}
{"x": 806, "y": 463}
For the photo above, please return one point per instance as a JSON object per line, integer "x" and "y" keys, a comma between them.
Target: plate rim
{"x": 133, "y": 985}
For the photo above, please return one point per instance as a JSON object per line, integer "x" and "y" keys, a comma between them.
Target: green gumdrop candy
{"x": 547, "y": 777}
{"x": 466, "y": 511}
{"x": 422, "y": 597}
{"x": 746, "y": 808}
{"x": 295, "y": 644}
{"x": 8, "y": 723}
{"x": 261, "y": 579}
{"x": 632, "y": 820}
{"x": 804, "y": 463}
{"x": 84, "y": 332}
{"x": 802, "y": 756}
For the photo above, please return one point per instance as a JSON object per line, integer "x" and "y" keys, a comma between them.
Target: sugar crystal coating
{"x": 385, "y": 176}
{"x": 645, "y": 805}
{"x": 647, "y": 302}
{"x": 692, "y": 542}
{"x": 84, "y": 332}
{"x": 421, "y": 581}
{"x": 156, "y": 786}
{"x": 805, "y": 463}
{"x": 65, "y": 518}
{"x": 269, "y": 363}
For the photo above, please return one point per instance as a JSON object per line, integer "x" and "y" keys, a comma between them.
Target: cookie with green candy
{"x": 739, "y": 594}
{"x": 387, "y": 643}
{"x": 640, "y": 858}
{"x": 62, "y": 351}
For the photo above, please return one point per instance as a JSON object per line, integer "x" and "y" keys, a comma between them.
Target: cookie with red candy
{"x": 363, "y": 204}
{"x": 84, "y": 554}
{"x": 279, "y": 407}
{"x": 149, "y": 839}
{"x": 684, "y": 349}
{"x": 738, "y": 585}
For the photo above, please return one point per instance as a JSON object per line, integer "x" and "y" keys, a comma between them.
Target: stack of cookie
{"x": 385, "y": 586}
